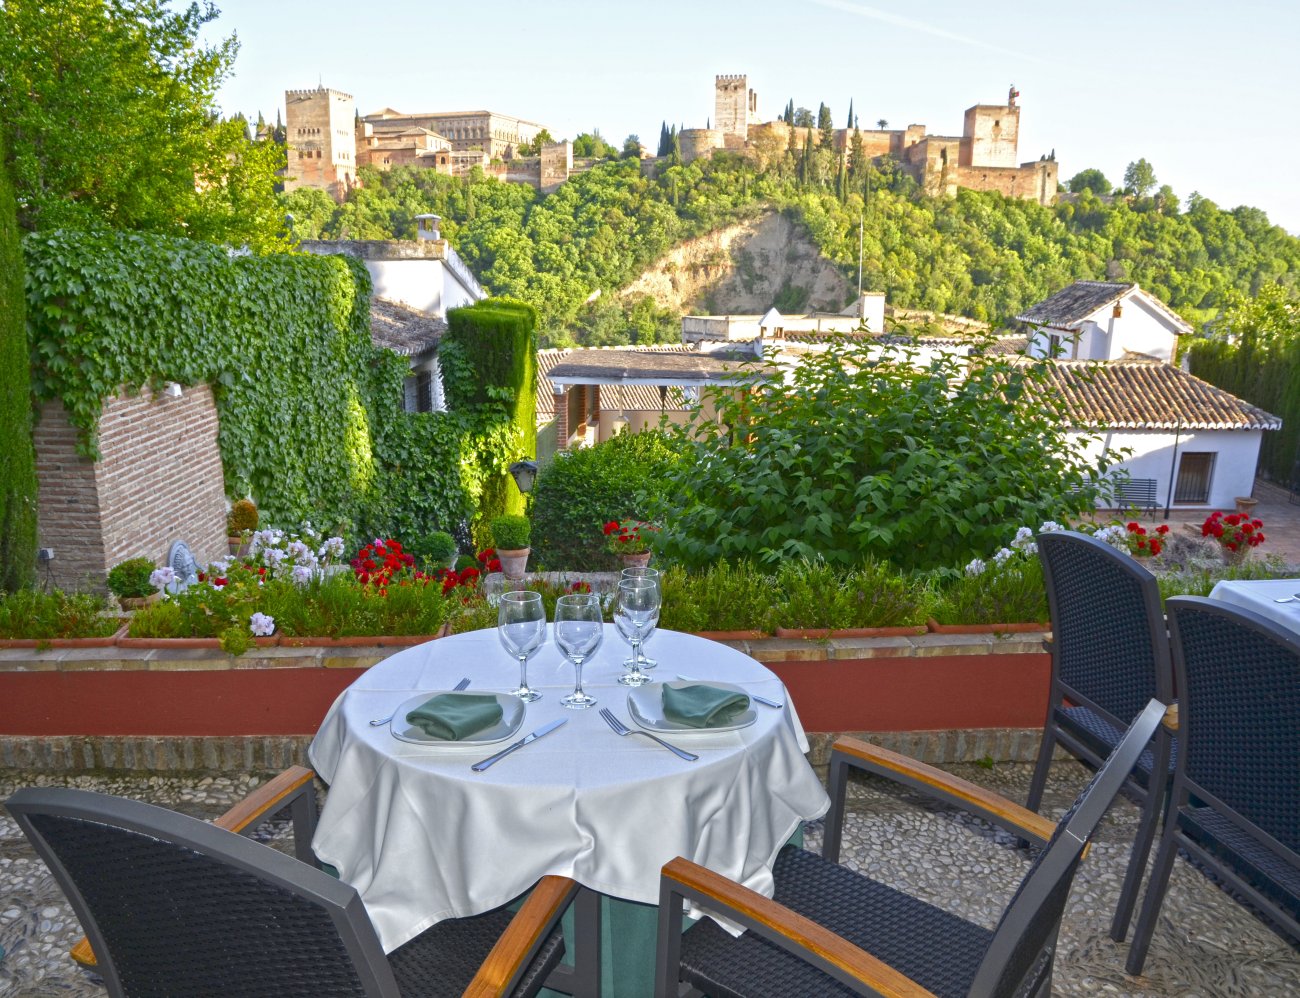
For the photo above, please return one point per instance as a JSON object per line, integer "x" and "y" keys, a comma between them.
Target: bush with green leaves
{"x": 130, "y": 578}
{"x": 511, "y": 532}
{"x": 436, "y": 549}
{"x": 30, "y": 614}
{"x": 721, "y": 597}
{"x": 815, "y": 594}
{"x": 866, "y": 452}
{"x": 579, "y": 491}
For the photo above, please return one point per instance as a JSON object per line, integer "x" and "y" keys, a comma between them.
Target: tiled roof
{"x": 632, "y": 397}
{"x": 1146, "y": 396}
{"x": 654, "y": 365}
{"x": 1075, "y": 303}
{"x": 403, "y": 329}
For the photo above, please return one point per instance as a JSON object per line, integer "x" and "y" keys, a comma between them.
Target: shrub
{"x": 130, "y": 578}
{"x": 856, "y": 455}
{"x": 816, "y": 594}
{"x": 28, "y": 613}
{"x": 511, "y": 532}
{"x": 722, "y": 597}
{"x": 1008, "y": 594}
{"x": 243, "y": 516}
{"x": 580, "y": 491}
{"x": 436, "y": 549}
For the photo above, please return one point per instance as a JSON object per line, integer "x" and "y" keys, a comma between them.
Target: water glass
{"x": 521, "y": 626}
{"x": 579, "y": 630}
{"x": 644, "y": 573}
{"x": 636, "y": 616}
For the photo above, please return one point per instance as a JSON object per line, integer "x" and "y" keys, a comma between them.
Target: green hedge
{"x": 17, "y": 465}
{"x": 311, "y": 415}
{"x": 489, "y": 360}
{"x": 579, "y": 491}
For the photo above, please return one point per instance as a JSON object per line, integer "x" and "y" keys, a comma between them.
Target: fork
{"x": 620, "y": 728}
{"x": 463, "y": 684}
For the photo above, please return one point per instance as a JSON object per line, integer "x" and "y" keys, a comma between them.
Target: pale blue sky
{"x": 1206, "y": 91}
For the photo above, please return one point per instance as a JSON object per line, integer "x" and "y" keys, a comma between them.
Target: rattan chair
{"x": 1236, "y": 791}
{"x": 1110, "y": 655}
{"x": 175, "y": 906}
{"x": 829, "y": 931}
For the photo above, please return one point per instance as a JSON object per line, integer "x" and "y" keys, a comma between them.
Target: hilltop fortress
{"x": 982, "y": 158}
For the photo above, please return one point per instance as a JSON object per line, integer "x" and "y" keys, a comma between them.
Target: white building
{"x": 1103, "y": 320}
{"x": 703, "y": 331}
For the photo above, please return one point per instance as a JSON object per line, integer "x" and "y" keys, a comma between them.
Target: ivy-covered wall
{"x": 489, "y": 358}
{"x": 17, "y": 468}
{"x": 311, "y": 415}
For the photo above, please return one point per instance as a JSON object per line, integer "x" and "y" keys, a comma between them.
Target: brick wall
{"x": 158, "y": 480}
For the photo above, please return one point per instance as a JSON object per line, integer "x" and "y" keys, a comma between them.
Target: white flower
{"x": 220, "y": 566}
{"x": 1003, "y": 555}
{"x": 273, "y": 557}
{"x": 163, "y": 577}
{"x": 1115, "y": 535}
{"x": 302, "y": 574}
{"x": 1024, "y": 537}
{"x": 261, "y": 625}
{"x": 1050, "y": 527}
{"x": 976, "y": 567}
{"x": 332, "y": 548}
{"x": 300, "y": 553}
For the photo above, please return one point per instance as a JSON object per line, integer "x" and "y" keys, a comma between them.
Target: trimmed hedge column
{"x": 17, "y": 461}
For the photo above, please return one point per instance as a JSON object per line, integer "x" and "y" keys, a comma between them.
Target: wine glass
{"x": 636, "y": 616}
{"x": 644, "y": 573}
{"x": 521, "y": 626}
{"x": 579, "y": 630}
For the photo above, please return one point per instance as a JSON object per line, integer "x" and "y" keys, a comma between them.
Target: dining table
{"x": 423, "y": 837}
{"x": 1276, "y": 599}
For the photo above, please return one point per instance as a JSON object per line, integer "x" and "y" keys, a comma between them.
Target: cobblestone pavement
{"x": 1205, "y": 944}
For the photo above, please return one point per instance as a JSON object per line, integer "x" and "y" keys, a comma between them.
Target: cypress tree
{"x": 850, "y": 124}
{"x": 825, "y": 125}
{"x": 17, "y": 461}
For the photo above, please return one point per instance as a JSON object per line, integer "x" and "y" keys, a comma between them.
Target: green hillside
{"x": 978, "y": 254}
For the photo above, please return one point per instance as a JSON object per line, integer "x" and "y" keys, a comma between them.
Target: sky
{"x": 1205, "y": 91}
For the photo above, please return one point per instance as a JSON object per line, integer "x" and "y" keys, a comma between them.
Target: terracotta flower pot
{"x": 635, "y": 560}
{"x": 238, "y": 547}
{"x": 513, "y": 562}
{"x": 138, "y": 602}
{"x": 1246, "y": 504}
{"x": 1231, "y": 557}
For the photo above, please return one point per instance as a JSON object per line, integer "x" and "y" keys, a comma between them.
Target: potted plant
{"x": 511, "y": 534}
{"x": 129, "y": 582}
{"x": 240, "y": 522}
{"x": 437, "y": 549}
{"x": 630, "y": 541}
{"x": 1236, "y": 534}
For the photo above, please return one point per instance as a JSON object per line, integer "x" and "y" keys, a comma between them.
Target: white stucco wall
{"x": 1233, "y": 474}
{"x": 424, "y": 284}
{"x": 1140, "y": 329}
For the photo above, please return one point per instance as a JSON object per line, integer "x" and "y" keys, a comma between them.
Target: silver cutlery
{"x": 753, "y": 696}
{"x": 463, "y": 684}
{"x": 619, "y": 728}
{"x": 1288, "y": 599}
{"x": 478, "y": 767}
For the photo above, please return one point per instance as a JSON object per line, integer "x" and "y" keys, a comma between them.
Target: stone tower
{"x": 321, "y": 138}
{"x": 735, "y": 106}
{"x": 991, "y": 134}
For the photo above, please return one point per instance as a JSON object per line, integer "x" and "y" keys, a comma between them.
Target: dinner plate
{"x": 512, "y": 716}
{"x": 646, "y": 705}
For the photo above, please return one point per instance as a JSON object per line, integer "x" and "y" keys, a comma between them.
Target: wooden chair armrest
{"x": 525, "y": 933}
{"x": 770, "y": 918}
{"x": 266, "y": 799}
{"x": 1171, "y": 718}
{"x": 243, "y": 817}
{"x": 937, "y": 783}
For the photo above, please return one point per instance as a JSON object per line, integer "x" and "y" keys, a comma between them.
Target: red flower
{"x": 262, "y": 570}
{"x": 610, "y": 527}
{"x": 494, "y": 565}
{"x": 1256, "y": 523}
{"x": 1134, "y": 527}
{"x": 203, "y": 577}
{"x": 1162, "y": 529}
{"x": 1155, "y": 546}
{"x": 219, "y": 580}
{"x": 487, "y": 554}
{"x": 469, "y": 577}
{"x": 580, "y": 587}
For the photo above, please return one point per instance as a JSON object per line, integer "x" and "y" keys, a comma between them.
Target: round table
{"x": 423, "y": 838}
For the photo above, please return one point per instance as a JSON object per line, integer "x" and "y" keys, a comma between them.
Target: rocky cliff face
{"x": 745, "y": 268}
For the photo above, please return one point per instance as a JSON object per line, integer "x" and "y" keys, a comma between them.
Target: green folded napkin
{"x": 703, "y": 706}
{"x": 453, "y": 716}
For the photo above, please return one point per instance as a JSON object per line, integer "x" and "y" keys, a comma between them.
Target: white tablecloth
{"x": 424, "y": 838}
{"x": 1261, "y": 596}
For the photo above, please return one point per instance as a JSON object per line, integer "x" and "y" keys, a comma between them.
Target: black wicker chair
{"x": 1110, "y": 655}
{"x": 1235, "y": 802}
{"x": 830, "y": 931}
{"x": 175, "y": 906}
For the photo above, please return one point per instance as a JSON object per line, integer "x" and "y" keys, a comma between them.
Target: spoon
{"x": 1287, "y": 599}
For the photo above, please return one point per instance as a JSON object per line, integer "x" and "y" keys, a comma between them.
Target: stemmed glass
{"x": 636, "y": 616}
{"x": 521, "y": 626}
{"x": 579, "y": 630}
{"x": 644, "y": 573}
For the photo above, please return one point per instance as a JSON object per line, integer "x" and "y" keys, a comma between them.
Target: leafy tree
{"x": 803, "y": 118}
{"x": 1089, "y": 180}
{"x": 826, "y": 126}
{"x": 110, "y": 108}
{"x": 940, "y": 463}
{"x": 632, "y": 146}
{"x": 1140, "y": 178}
{"x": 882, "y": 124}
{"x": 590, "y": 145}
{"x": 1167, "y": 200}
{"x": 17, "y": 468}
{"x": 534, "y": 148}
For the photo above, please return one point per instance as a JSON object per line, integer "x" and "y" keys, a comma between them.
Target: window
{"x": 1054, "y": 345}
{"x": 1195, "y": 468}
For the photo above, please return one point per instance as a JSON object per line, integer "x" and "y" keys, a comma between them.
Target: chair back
{"x": 1238, "y": 674}
{"x": 1109, "y": 647}
{"x": 173, "y": 905}
{"x": 1019, "y": 958}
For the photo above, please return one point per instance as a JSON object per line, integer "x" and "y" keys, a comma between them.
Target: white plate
{"x": 646, "y": 705}
{"x": 512, "y": 716}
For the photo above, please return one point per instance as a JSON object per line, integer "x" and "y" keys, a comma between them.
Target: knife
{"x": 545, "y": 729}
